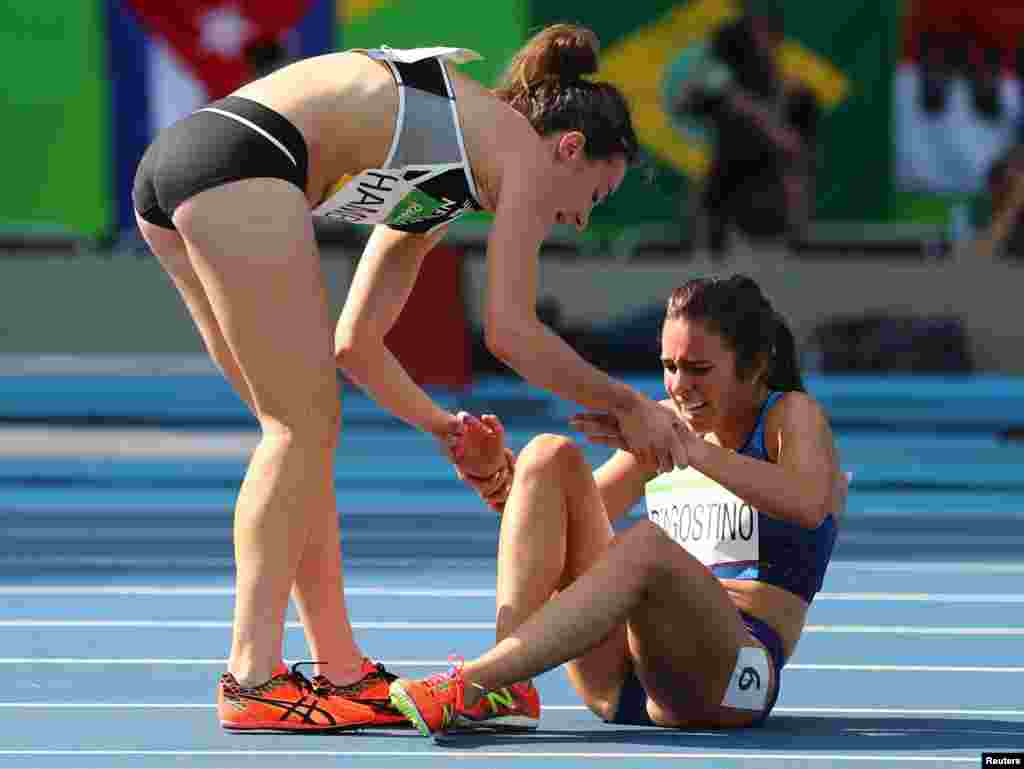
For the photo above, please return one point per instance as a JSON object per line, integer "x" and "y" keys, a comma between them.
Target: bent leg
{"x": 251, "y": 246}
{"x": 684, "y": 632}
{"x": 553, "y": 529}
{"x": 684, "y": 638}
{"x": 318, "y": 590}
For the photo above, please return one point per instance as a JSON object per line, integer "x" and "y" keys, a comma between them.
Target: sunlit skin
{"x": 700, "y": 378}
{"x": 541, "y": 617}
{"x": 585, "y": 182}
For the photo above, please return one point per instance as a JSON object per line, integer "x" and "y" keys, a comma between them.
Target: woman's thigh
{"x": 689, "y": 646}
{"x": 169, "y": 249}
{"x": 252, "y": 247}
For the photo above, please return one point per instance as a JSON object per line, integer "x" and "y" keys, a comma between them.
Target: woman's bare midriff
{"x": 782, "y": 610}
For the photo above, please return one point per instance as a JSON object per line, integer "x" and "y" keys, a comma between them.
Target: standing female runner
{"x": 399, "y": 139}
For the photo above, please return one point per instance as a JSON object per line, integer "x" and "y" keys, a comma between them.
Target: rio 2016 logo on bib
{"x": 709, "y": 521}
{"x": 392, "y": 197}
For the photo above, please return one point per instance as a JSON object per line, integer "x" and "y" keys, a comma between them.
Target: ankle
{"x": 250, "y": 677}
{"x": 472, "y": 693}
{"x": 342, "y": 674}
{"x": 252, "y": 669}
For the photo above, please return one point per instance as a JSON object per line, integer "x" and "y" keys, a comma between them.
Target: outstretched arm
{"x": 380, "y": 288}
{"x": 513, "y": 331}
{"x": 516, "y": 336}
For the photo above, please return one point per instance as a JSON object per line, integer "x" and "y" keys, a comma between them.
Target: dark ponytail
{"x": 737, "y": 310}
{"x": 784, "y": 366}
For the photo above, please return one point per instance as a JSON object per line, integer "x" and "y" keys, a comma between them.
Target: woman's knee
{"x": 551, "y": 454}
{"x": 647, "y": 545}
{"x": 605, "y": 708}
{"x": 310, "y": 417}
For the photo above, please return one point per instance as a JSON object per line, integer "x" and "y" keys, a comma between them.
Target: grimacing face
{"x": 700, "y": 378}
{"x": 585, "y": 182}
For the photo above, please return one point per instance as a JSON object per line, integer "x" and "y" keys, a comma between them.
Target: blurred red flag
{"x": 211, "y": 36}
{"x": 997, "y": 24}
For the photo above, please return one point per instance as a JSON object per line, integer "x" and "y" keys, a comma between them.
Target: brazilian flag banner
{"x": 844, "y": 56}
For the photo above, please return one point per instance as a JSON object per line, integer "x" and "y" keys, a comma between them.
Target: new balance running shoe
{"x": 436, "y": 705}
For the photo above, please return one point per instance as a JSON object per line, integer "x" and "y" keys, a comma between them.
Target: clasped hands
{"x": 482, "y": 460}
{"x": 653, "y": 432}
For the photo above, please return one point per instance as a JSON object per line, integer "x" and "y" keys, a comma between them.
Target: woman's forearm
{"x": 774, "y": 490}
{"x": 547, "y": 361}
{"x": 374, "y": 368}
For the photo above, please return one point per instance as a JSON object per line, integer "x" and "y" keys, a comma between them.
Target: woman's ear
{"x": 571, "y": 146}
{"x": 763, "y": 366}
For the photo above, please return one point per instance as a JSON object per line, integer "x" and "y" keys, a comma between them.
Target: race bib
{"x": 377, "y": 196}
{"x": 750, "y": 682}
{"x": 710, "y": 522}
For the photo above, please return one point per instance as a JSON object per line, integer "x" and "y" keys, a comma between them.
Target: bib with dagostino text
{"x": 710, "y": 522}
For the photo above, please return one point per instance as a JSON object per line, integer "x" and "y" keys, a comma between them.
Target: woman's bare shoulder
{"x": 504, "y": 149}
{"x": 799, "y": 406}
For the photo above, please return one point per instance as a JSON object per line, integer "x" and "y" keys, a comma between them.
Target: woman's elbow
{"x": 350, "y": 349}
{"x": 501, "y": 342}
{"x": 344, "y": 346}
{"x": 815, "y": 510}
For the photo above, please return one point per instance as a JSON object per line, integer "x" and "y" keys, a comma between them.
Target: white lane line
{"x": 915, "y": 630}
{"x": 904, "y": 668}
{"x": 402, "y": 592}
{"x": 201, "y": 662}
{"x": 924, "y": 597}
{"x": 218, "y": 624}
{"x": 928, "y": 567}
{"x": 422, "y": 626}
{"x": 191, "y": 592}
{"x": 813, "y": 757}
{"x": 964, "y": 712}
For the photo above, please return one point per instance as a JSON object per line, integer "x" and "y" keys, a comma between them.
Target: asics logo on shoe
{"x": 291, "y": 708}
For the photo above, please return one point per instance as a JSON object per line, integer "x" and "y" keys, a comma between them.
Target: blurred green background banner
{"x": 494, "y": 28}
{"x": 55, "y": 117}
{"x": 57, "y": 109}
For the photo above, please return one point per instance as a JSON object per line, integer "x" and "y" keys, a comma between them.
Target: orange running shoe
{"x": 436, "y": 705}
{"x": 371, "y": 690}
{"x": 516, "y": 707}
{"x": 288, "y": 702}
